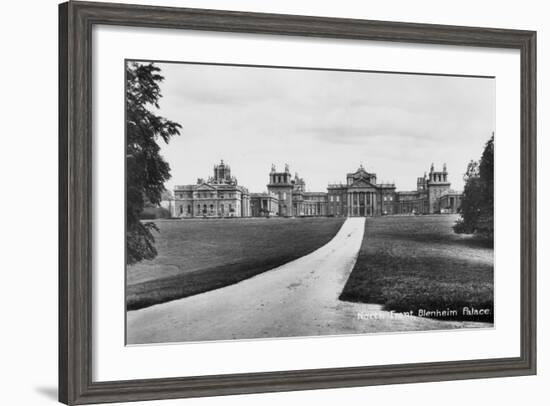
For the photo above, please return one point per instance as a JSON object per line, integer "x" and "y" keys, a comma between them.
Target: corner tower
{"x": 438, "y": 186}
{"x": 280, "y": 183}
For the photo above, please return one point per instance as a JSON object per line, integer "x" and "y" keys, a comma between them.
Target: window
{"x": 337, "y": 198}
{"x": 181, "y": 209}
{"x": 284, "y": 195}
{"x": 188, "y": 209}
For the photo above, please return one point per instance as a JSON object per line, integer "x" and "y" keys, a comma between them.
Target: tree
{"x": 146, "y": 170}
{"x": 477, "y": 207}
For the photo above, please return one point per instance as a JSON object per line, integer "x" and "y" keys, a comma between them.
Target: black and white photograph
{"x": 265, "y": 203}
{"x": 269, "y": 202}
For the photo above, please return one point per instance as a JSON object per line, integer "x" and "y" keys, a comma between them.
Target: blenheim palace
{"x": 286, "y": 196}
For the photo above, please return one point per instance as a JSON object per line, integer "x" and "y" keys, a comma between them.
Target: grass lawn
{"x": 196, "y": 256}
{"x": 417, "y": 262}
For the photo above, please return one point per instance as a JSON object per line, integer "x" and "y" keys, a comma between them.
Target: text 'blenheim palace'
{"x": 286, "y": 196}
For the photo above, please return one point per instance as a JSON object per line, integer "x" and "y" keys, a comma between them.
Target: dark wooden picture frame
{"x": 76, "y": 20}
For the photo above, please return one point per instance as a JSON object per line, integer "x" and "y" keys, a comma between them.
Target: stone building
{"x": 264, "y": 204}
{"x": 361, "y": 195}
{"x": 433, "y": 194}
{"x": 292, "y": 196}
{"x": 450, "y": 202}
{"x": 219, "y": 196}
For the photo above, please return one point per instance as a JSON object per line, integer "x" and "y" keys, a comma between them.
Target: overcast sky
{"x": 324, "y": 124}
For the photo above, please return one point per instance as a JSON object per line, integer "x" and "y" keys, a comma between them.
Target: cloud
{"x": 358, "y": 135}
{"x": 324, "y": 123}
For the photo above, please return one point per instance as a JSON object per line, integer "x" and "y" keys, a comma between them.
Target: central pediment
{"x": 361, "y": 183}
{"x": 361, "y": 178}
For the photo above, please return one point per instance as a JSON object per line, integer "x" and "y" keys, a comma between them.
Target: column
{"x": 365, "y": 202}
{"x": 370, "y": 203}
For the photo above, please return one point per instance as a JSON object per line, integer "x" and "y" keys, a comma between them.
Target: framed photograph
{"x": 259, "y": 202}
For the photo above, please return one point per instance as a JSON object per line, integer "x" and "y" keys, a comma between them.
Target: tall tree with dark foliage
{"x": 477, "y": 208}
{"x": 146, "y": 170}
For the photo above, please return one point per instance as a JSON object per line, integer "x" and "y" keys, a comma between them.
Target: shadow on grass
{"x": 464, "y": 240}
{"x": 199, "y": 256}
{"x": 191, "y": 283}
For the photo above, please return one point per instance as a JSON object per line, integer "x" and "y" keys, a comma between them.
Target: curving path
{"x": 299, "y": 298}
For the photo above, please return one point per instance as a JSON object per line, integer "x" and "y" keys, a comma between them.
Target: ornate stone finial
{"x": 432, "y": 167}
{"x": 273, "y": 168}
{"x": 221, "y": 162}
{"x": 444, "y": 167}
{"x": 361, "y": 166}
{"x": 287, "y": 168}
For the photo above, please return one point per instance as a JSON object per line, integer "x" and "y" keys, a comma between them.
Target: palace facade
{"x": 286, "y": 196}
{"x": 219, "y": 196}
